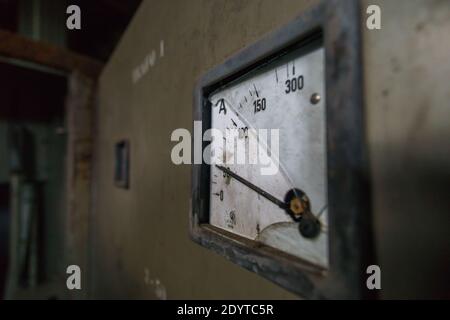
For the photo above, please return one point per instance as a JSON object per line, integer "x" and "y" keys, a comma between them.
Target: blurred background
{"x": 33, "y": 130}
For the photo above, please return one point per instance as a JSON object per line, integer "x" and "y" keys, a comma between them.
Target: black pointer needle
{"x": 310, "y": 225}
{"x": 258, "y": 190}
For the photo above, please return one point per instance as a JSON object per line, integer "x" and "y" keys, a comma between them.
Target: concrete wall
{"x": 140, "y": 245}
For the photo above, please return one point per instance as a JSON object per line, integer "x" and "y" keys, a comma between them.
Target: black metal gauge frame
{"x": 336, "y": 23}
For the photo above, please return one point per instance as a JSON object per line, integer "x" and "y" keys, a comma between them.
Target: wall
{"x": 408, "y": 129}
{"x": 146, "y": 227}
{"x": 140, "y": 239}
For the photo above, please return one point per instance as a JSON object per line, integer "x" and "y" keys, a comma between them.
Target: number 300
{"x": 294, "y": 84}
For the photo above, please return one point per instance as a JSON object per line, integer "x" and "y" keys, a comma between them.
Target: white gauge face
{"x": 287, "y": 98}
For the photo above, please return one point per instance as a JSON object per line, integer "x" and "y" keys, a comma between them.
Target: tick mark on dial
{"x": 219, "y": 194}
{"x": 256, "y": 91}
{"x": 234, "y": 123}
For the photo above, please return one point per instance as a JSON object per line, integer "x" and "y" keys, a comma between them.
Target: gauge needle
{"x": 258, "y": 190}
{"x": 297, "y": 206}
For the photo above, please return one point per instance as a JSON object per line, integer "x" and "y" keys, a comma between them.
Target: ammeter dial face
{"x": 273, "y": 193}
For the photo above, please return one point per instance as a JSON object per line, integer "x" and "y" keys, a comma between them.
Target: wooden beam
{"x": 19, "y": 47}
